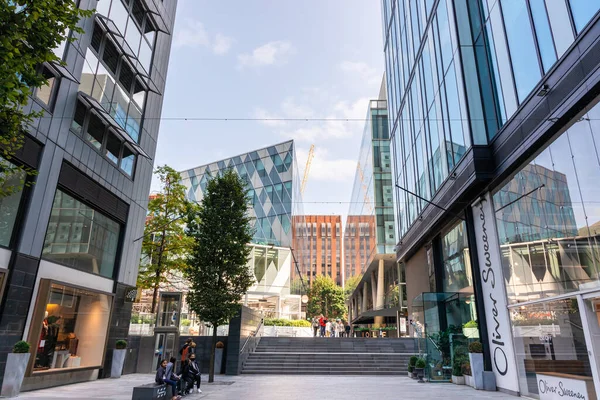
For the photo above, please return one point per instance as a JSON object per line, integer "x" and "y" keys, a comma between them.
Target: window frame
{"x": 42, "y": 69}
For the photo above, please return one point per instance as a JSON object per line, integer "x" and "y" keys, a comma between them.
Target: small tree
{"x": 217, "y": 266}
{"x": 165, "y": 246}
{"x": 350, "y": 285}
{"x": 29, "y": 32}
{"x": 327, "y": 298}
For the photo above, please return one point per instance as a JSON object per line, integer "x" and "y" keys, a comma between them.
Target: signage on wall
{"x": 494, "y": 295}
{"x": 557, "y": 387}
{"x": 131, "y": 295}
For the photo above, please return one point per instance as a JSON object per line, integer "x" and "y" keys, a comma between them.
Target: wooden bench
{"x": 152, "y": 391}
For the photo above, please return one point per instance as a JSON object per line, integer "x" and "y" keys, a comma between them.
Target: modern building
{"x": 369, "y": 235}
{"x": 68, "y": 249}
{"x": 272, "y": 180}
{"x": 318, "y": 247}
{"x": 494, "y": 123}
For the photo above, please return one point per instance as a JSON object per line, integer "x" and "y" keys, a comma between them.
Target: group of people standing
{"x": 189, "y": 374}
{"x": 324, "y": 327}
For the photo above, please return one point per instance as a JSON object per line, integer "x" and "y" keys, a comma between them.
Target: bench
{"x": 152, "y": 391}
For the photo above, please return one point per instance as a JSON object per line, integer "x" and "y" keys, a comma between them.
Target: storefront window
{"x": 457, "y": 267}
{"x": 81, "y": 237}
{"x": 548, "y": 218}
{"x": 11, "y": 191}
{"x": 550, "y": 347}
{"x": 73, "y": 329}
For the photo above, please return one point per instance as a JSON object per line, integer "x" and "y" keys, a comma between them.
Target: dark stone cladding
{"x": 15, "y": 305}
{"x": 118, "y": 328}
{"x": 241, "y": 328}
{"x": 574, "y": 84}
{"x": 203, "y": 344}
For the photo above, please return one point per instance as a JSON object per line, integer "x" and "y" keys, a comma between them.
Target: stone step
{"x": 315, "y": 372}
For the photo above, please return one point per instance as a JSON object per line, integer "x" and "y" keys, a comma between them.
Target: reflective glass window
{"x": 583, "y": 11}
{"x": 78, "y": 118}
{"x": 47, "y": 92}
{"x": 11, "y": 186}
{"x": 522, "y": 47}
{"x": 455, "y": 116}
{"x": 110, "y": 56}
{"x": 455, "y": 255}
{"x": 102, "y": 7}
{"x": 145, "y": 55}
{"x": 81, "y": 237}
{"x": 562, "y": 32}
{"x": 95, "y": 131}
{"x": 133, "y": 36}
{"x": 543, "y": 33}
{"x": 119, "y": 14}
{"x": 113, "y": 147}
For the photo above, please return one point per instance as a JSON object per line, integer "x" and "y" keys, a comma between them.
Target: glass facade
{"x": 457, "y": 264}
{"x": 441, "y": 100}
{"x": 73, "y": 329}
{"x": 548, "y": 218}
{"x": 272, "y": 183}
{"x": 370, "y": 223}
{"x": 12, "y": 182}
{"x": 81, "y": 237}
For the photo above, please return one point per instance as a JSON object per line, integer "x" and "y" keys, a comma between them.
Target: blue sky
{"x": 274, "y": 59}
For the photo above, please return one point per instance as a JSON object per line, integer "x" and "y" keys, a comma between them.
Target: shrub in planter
{"x": 457, "y": 374}
{"x": 476, "y": 362}
{"x": 411, "y": 366}
{"x": 16, "y": 364}
{"x": 220, "y": 345}
{"x": 121, "y": 344}
{"x": 419, "y": 368}
{"x": 118, "y": 359}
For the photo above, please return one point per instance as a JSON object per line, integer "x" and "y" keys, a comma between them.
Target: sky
{"x": 274, "y": 59}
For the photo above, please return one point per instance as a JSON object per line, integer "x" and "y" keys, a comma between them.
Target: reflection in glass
{"x": 81, "y": 237}
{"x": 583, "y": 11}
{"x": 548, "y": 219}
{"x": 75, "y": 323}
{"x": 549, "y": 340}
{"x": 12, "y": 180}
{"x": 457, "y": 266}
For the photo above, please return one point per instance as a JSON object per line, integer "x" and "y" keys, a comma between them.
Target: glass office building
{"x": 273, "y": 187}
{"x": 493, "y": 123}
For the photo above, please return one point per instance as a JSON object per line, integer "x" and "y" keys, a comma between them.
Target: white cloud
{"x": 324, "y": 168}
{"x": 222, "y": 44}
{"x": 267, "y": 118}
{"x": 362, "y": 71}
{"x": 194, "y": 35}
{"x": 272, "y": 53}
{"x": 355, "y": 110}
{"x": 320, "y": 130}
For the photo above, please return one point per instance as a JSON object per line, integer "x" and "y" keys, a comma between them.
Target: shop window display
{"x": 73, "y": 329}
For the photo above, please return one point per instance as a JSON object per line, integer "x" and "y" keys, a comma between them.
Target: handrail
{"x": 252, "y": 334}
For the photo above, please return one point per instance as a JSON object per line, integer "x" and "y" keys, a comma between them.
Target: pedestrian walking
{"x": 328, "y": 328}
{"x": 347, "y": 329}
{"x": 340, "y": 328}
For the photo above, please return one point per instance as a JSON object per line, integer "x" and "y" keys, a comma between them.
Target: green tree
{"x": 327, "y": 298}
{"x": 217, "y": 266}
{"x": 350, "y": 285}
{"x": 29, "y": 32}
{"x": 165, "y": 244}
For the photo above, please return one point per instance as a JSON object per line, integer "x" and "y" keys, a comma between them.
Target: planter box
{"x": 458, "y": 380}
{"x": 16, "y": 364}
{"x": 116, "y": 369}
{"x": 469, "y": 380}
{"x": 476, "y": 360}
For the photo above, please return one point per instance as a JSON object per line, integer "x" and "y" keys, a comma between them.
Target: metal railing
{"x": 251, "y": 335}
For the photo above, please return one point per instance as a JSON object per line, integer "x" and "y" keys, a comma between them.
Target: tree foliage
{"x": 327, "y": 298}
{"x": 165, "y": 245}
{"x": 217, "y": 265}
{"x": 29, "y": 32}
{"x": 350, "y": 285}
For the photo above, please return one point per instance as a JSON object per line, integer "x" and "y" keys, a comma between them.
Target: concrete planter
{"x": 218, "y": 360}
{"x": 476, "y": 360}
{"x": 469, "y": 380}
{"x": 458, "y": 380}
{"x": 16, "y": 364}
{"x": 116, "y": 369}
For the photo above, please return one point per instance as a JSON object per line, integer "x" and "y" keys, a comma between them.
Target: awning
{"x": 96, "y": 106}
{"x": 157, "y": 18}
{"x": 64, "y": 72}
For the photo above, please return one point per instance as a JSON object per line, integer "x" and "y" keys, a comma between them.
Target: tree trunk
{"x": 211, "y": 370}
{"x": 155, "y": 299}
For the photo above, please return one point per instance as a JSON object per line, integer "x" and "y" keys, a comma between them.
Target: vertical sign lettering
{"x": 494, "y": 296}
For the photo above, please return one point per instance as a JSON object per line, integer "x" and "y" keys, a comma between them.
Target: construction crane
{"x": 311, "y": 154}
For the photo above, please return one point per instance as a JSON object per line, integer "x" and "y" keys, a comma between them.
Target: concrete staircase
{"x": 330, "y": 356}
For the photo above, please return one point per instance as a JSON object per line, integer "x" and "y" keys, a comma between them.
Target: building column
{"x": 365, "y": 297}
{"x": 374, "y": 289}
{"x": 380, "y": 290}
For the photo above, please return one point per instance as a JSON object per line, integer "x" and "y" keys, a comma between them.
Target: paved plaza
{"x": 276, "y": 387}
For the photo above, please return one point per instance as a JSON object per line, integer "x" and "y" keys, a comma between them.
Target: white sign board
{"x": 494, "y": 295}
{"x": 402, "y": 325}
{"x": 554, "y": 387}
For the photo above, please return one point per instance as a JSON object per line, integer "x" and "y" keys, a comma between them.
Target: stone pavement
{"x": 276, "y": 387}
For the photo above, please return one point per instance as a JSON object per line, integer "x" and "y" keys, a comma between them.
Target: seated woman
{"x": 191, "y": 374}
{"x": 161, "y": 379}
